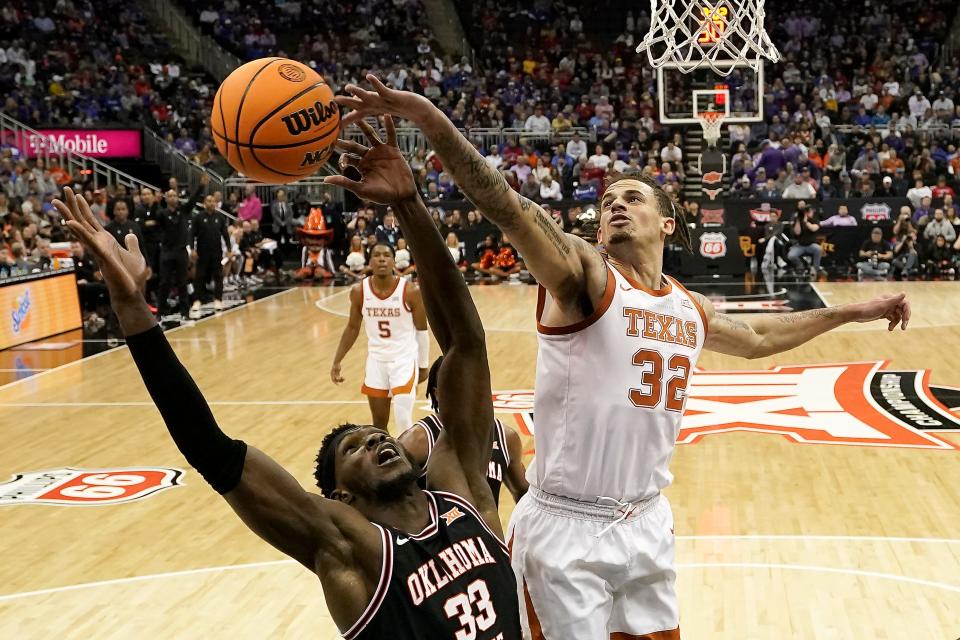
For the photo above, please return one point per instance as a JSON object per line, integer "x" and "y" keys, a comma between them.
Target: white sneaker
{"x": 196, "y": 306}
{"x": 217, "y": 305}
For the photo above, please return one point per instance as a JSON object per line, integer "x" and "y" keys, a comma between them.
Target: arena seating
{"x": 538, "y": 69}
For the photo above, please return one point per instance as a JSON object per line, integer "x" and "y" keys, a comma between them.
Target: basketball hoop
{"x": 711, "y": 122}
{"x": 720, "y": 34}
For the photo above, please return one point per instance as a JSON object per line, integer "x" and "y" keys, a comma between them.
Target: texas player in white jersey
{"x": 398, "y": 346}
{"x": 592, "y": 540}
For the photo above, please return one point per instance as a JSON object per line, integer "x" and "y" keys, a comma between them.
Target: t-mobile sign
{"x": 96, "y": 143}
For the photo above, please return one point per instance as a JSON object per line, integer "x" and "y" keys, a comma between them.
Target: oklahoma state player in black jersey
{"x": 394, "y": 561}
{"x": 443, "y": 571}
{"x": 505, "y": 466}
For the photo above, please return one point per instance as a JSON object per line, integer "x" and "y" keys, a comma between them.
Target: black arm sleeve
{"x": 217, "y": 457}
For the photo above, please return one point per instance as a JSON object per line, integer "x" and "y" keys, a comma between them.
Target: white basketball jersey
{"x": 389, "y": 323}
{"x": 610, "y": 391}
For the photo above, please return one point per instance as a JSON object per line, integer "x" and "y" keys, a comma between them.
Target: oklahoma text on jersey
{"x": 457, "y": 559}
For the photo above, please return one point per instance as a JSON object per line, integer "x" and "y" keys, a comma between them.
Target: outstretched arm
{"x": 769, "y": 334}
{"x": 325, "y": 536}
{"x": 463, "y": 450}
{"x": 554, "y": 258}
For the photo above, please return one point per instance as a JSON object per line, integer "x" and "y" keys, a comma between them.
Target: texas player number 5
{"x": 649, "y": 394}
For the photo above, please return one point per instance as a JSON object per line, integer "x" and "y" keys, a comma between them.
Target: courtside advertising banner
{"x": 94, "y": 143}
{"x": 34, "y": 309}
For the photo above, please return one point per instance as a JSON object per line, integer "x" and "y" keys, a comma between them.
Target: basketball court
{"x": 815, "y": 496}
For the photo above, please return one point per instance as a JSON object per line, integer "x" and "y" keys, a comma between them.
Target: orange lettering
{"x": 648, "y": 325}
{"x": 634, "y": 316}
{"x": 665, "y": 322}
{"x": 691, "y": 334}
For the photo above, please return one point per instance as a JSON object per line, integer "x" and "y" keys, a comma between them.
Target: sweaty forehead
{"x": 627, "y": 184}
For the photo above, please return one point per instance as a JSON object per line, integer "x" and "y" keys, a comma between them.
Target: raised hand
{"x": 895, "y": 308}
{"x": 385, "y": 176}
{"x": 382, "y": 99}
{"x": 124, "y": 269}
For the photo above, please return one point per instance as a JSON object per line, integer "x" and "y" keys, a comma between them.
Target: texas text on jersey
{"x": 499, "y": 456}
{"x": 450, "y": 581}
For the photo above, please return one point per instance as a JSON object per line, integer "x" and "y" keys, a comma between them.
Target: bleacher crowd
{"x": 861, "y": 105}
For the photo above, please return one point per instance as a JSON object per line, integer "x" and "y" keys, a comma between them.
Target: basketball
{"x": 274, "y": 120}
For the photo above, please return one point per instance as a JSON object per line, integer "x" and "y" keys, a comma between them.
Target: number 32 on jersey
{"x": 651, "y": 390}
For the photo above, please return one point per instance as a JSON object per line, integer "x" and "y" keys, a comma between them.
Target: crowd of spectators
{"x": 101, "y": 63}
{"x": 548, "y": 70}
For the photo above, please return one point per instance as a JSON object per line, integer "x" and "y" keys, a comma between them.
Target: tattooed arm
{"x": 765, "y": 335}
{"x": 564, "y": 264}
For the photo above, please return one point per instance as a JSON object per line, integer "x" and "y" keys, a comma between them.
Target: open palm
{"x": 385, "y": 176}
{"x": 124, "y": 269}
{"x": 381, "y": 100}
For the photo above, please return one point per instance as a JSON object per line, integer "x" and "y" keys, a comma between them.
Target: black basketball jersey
{"x": 499, "y": 456}
{"x": 451, "y": 581}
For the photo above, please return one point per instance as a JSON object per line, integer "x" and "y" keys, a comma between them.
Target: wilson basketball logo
{"x": 305, "y": 119}
{"x": 291, "y": 72}
{"x": 713, "y": 245}
{"x": 87, "y": 487}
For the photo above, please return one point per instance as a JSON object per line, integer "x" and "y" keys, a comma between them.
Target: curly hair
{"x": 324, "y": 473}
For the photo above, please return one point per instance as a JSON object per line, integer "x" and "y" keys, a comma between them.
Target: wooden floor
{"x": 776, "y": 538}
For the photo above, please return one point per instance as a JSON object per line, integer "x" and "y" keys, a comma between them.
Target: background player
{"x": 618, "y": 340}
{"x": 506, "y": 457}
{"x": 398, "y": 346}
{"x": 394, "y": 561}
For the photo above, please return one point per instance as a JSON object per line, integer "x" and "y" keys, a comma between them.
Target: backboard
{"x": 683, "y": 94}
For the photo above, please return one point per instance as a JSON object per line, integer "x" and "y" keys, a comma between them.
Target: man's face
{"x": 389, "y": 220}
{"x": 210, "y": 204}
{"x": 120, "y": 211}
{"x": 146, "y": 196}
{"x": 172, "y": 199}
{"x": 842, "y": 211}
{"x": 629, "y": 212}
{"x": 373, "y": 466}
{"x": 876, "y": 236}
{"x": 381, "y": 260}
{"x": 938, "y": 215}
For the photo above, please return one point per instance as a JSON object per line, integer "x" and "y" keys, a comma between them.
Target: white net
{"x": 711, "y": 121}
{"x": 688, "y": 34}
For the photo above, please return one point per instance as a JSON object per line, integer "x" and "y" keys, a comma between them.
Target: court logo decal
{"x": 851, "y": 403}
{"x": 88, "y": 487}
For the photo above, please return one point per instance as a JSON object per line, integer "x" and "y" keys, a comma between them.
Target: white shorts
{"x": 388, "y": 379}
{"x": 573, "y": 584}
